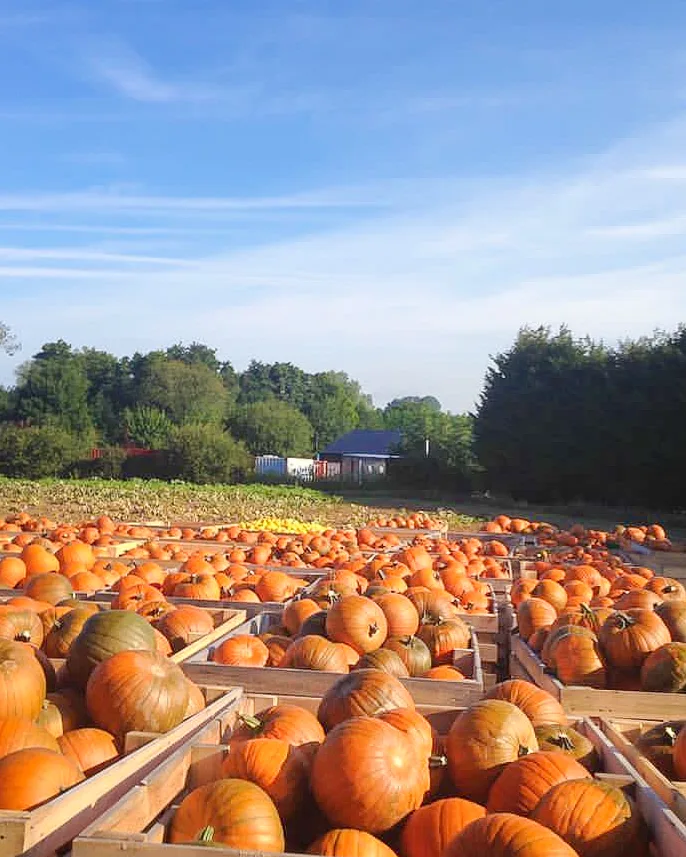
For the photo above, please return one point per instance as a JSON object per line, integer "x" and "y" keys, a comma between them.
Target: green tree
{"x": 149, "y": 428}
{"x": 38, "y": 452}
{"x": 187, "y": 393}
{"x": 206, "y": 454}
{"x": 332, "y": 406}
{"x": 109, "y": 391}
{"x": 272, "y": 427}
{"x": 53, "y": 389}
{"x": 8, "y": 341}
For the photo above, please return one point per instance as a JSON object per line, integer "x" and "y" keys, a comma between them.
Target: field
{"x": 75, "y": 500}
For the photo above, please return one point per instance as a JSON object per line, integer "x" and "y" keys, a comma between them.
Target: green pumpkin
{"x": 103, "y": 635}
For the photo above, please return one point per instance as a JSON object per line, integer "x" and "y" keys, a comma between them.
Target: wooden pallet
{"x": 39, "y": 832}
{"x": 137, "y": 824}
{"x": 626, "y": 704}
{"x": 202, "y": 670}
{"x": 622, "y": 734}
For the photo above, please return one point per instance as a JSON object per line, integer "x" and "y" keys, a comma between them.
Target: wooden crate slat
{"x": 41, "y": 831}
{"x": 630, "y": 704}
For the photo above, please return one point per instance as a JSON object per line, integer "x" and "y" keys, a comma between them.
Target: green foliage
{"x": 206, "y": 454}
{"x": 149, "y": 428}
{"x": 563, "y": 419}
{"x": 38, "y": 452}
{"x": 53, "y": 389}
{"x": 8, "y": 342}
{"x": 186, "y": 392}
{"x": 272, "y": 427}
{"x": 449, "y": 462}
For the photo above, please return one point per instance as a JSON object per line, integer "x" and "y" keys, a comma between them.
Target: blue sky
{"x": 388, "y": 187}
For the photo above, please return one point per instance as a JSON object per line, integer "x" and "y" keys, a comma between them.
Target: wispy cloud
{"x": 436, "y": 277}
{"x": 124, "y": 70}
{"x": 83, "y": 254}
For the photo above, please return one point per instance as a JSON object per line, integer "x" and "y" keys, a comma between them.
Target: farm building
{"x": 363, "y": 454}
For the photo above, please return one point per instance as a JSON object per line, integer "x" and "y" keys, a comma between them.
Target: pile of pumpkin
{"x": 59, "y": 726}
{"x": 81, "y": 571}
{"x": 410, "y": 521}
{"x": 369, "y": 776}
{"x": 651, "y": 536}
{"x": 606, "y": 627}
{"x": 405, "y": 635}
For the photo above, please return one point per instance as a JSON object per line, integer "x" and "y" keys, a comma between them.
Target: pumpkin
{"x": 482, "y": 740}
{"x": 357, "y": 621}
{"x": 297, "y": 612}
{"x": 664, "y": 670}
{"x": 274, "y": 765}
{"x": 137, "y": 691}
{"x": 16, "y": 734}
{"x": 444, "y": 673}
{"x": 196, "y": 699}
{"x": 629, "y": 636}
{"x": 413, "y": 724}
{"x": 105, "y": 634}
{"x": 657, "y": 745}
{"x": 563, "y": 739}
{"x": 24, "y": 626}
{"x": 348, "y": 842}
{"x": 431, "y": 828}
{"x": 442, "y": 638}
{"x": 401, "y": 615}
{"x": 385, "y": 660}
{"x": 183, "y": 625}
{"x": 667, "y": 588}
{"x": 22, "y": 681}
{"x": 277, "y": 646}
{"x": 576, "y": 658}
{"x": 62, "y": 711}
{"x": 50, "y": 588}
{"x": 53, "y": 774}
{"x": 551, "y": 592}
{"x": 314, "y": 653}
{"x": 368, "y": 775}
{"x": 275, "y": 586}
{"x": 503, "y": 834}
{"x": 523, "y": 782}
{"x": 413, "y": 652}
{"x": 539, "y": 706}
{"x": 532, "y": 614}
{"x": 594, "y": 818}
{"x": 243, "y": 650}
{"x": 673, "y": 614}
{"x": 432, "y": 605}
{"x": 290, "y": 723}
{"x": 240, "y": 814}
{"x": 90, "y": 749}
{"x": 64, "y": 631}
{"x": 362, "y": 692}
{"x": 679, "y": 756}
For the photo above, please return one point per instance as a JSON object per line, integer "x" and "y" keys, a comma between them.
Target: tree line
{"x": 567, "y": 419}
{"x": 204, "y": 419}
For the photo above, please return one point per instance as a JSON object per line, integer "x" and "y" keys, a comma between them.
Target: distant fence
{"x": 130, "y": 451}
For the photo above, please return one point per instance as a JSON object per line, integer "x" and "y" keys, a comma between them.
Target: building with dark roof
{"x": 363, "y": 454}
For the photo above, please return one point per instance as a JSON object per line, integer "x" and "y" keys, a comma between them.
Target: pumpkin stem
{"x": 250, "y": 721}
{"x": 563, "y": 741}
{"x": 522, "y": 751}
{"x": 670, "y": 732}
{"x": 624, "y": 621}
{"x": 206, "y": 834}
{"x": 438, "y": 761}
{"x": 23, "y": 637}
{"x": 373, "y": 629}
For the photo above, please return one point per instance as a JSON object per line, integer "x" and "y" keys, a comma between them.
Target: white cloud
{"x": 82, "y": 254}
{"x": 120, "y": 67}
{"x": 417, "y": 297}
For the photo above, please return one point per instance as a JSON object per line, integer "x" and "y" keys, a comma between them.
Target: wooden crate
{"x": 39, "y": 832}
{"x": 202, "y": 670}
{"x": 137, "y": 824}
{"x": 628, "y": 704}
{"x": 622, "y": 734}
